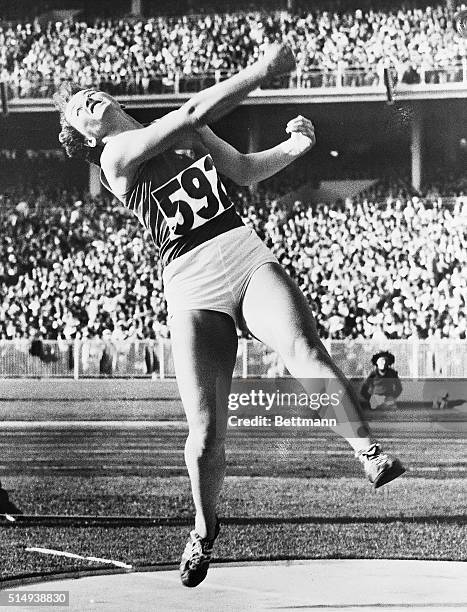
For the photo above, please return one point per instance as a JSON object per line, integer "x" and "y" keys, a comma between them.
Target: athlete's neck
{"x": 125, "y": 123}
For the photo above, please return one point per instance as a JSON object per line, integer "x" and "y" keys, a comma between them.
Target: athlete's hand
{"x": 279, "y": 59}
{"x": 302, "y": 135}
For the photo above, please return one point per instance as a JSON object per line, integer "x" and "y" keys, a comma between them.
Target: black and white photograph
{"x": 233, "y": 305}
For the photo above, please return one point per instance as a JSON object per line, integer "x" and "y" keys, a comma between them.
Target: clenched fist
{"x": 302, "y": 136}
{"x": 279, "y": 59}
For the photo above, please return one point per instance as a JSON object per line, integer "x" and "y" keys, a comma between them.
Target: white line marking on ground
{"x": 91, "y": 424}
{"x": 440, "y": 468}
{"x": 63, "y": 553}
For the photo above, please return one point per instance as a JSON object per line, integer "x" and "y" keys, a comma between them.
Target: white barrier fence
{"x": 177, "y": 82}
{"x": 153, "y": 358}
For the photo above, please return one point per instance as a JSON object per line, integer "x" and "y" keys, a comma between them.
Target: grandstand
{"x": 384, "y": 260}
{"x": 55, "y": 51}
{"x": 164, "y": 54}
{"x": 372, "y": 266}
{"x": 371, "y": 224}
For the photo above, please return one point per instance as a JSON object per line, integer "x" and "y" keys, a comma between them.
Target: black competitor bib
{"x": 192, "y": 198}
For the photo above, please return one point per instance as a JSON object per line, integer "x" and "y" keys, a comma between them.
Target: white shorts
{"x": 215, "y": 274}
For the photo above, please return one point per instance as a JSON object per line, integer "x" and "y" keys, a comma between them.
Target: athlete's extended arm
{"x": 136, "y": 146}
{"x": 249, "y": 168}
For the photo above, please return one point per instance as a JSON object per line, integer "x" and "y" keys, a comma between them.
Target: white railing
{"x": 315, "y": 78}
{"x": 153, "y": 358}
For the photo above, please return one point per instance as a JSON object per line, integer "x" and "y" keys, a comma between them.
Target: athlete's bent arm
{"x": 246, "y": 169}
{"x": 137, "y": 146}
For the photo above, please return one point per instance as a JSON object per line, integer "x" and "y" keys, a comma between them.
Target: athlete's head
{"x": 86, "y": 117}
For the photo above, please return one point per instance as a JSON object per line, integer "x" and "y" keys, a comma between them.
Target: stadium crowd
{"x": 155, "y": 55}
{"x": 386, "y": 264}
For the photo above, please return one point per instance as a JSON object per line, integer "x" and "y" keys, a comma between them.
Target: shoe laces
{"x": 198, "y": 554}
{"x": 374, "y": 454}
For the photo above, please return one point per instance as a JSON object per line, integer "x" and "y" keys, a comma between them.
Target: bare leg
{"x": 277, "y": 313}
{"x": 204, "y": 345}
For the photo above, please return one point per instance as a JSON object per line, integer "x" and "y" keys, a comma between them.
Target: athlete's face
{"x": 92, "y": 113}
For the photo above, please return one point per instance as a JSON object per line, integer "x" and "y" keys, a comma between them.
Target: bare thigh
{"x": 277, "y": 313}
{"x": 204, "y": 346}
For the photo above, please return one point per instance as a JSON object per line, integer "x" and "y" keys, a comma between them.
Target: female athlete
{"x": 217, "y": 272}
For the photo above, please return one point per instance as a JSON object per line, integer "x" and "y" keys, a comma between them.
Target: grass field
{"x": 109, "y": 458}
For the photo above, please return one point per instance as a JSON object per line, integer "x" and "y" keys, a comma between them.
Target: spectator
{"x": 165, "y": 53}
{"x": 108, "y": 359}
{"x": 150, "y": 356}
{"x": 385, "y": 263}
{"x": 383, "y": 386}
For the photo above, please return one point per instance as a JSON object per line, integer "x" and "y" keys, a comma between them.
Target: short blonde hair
{"x": 70, "y": 138}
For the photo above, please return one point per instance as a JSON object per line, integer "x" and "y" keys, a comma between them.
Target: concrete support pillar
{"x": 253, "y": 136}
{"x": 451, "y": 138}
{"x": 416, "y": 147}
{"x": 94, "y": 180}
{"x": 137, "y": 8}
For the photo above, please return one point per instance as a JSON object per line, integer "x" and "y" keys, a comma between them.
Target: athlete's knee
{"x": 205, "y": 443}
